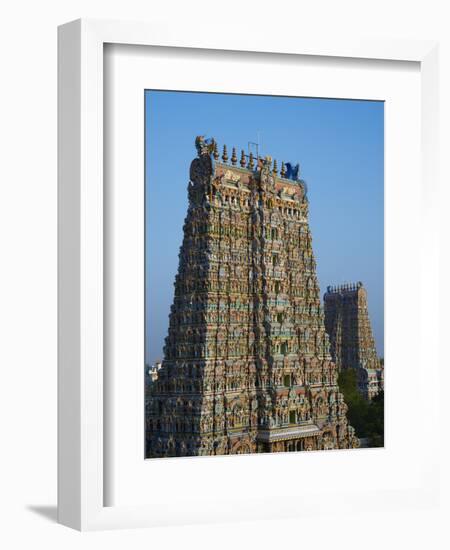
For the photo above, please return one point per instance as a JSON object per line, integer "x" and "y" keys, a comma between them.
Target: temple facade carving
{"x": 348, "y": 325}
{"x": 247, "y": 365}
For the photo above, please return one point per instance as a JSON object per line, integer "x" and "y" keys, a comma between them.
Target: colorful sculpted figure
{"x": 292, "y": 172}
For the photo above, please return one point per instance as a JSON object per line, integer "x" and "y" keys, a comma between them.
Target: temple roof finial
{"x": 251, "y": 162}
{"x": 233, "y": 157}
{"x": 242, "y": 162}
{"x": 225, "y": 154}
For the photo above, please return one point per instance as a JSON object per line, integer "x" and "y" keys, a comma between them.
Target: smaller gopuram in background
{"x": 351, "y": 339}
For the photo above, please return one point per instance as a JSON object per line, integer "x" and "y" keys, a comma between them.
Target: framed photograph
{"x": 241, "y": 226}
{"x": 253, "y": 361}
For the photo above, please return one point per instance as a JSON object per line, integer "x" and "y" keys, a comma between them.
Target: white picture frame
{"x": 81, "y": 407}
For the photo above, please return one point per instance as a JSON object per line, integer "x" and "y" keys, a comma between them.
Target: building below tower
{"x": 352, "y": 343}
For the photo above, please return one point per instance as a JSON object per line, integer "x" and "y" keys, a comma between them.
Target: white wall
{"x": 28, "y": 266}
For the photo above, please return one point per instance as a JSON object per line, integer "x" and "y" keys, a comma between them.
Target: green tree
{"x": 375, "y": 421}
{"x": 367, "y": 417}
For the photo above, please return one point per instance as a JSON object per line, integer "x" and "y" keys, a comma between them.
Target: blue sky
{"x": 340, "y": 147}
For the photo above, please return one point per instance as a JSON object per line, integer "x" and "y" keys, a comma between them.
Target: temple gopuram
{"x": 247, "y": 365}
{"x": 352, "y": 344}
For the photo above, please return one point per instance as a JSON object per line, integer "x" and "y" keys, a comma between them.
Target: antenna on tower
{"x": 256, "y": 145}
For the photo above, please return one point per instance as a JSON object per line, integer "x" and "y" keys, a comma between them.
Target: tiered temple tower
{"x": 352, "y": 344}
{"x": 247, "y": 366}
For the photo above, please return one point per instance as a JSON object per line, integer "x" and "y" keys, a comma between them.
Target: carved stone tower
{"x": 352, "y": 344}
{"x": 247, "y": 366}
